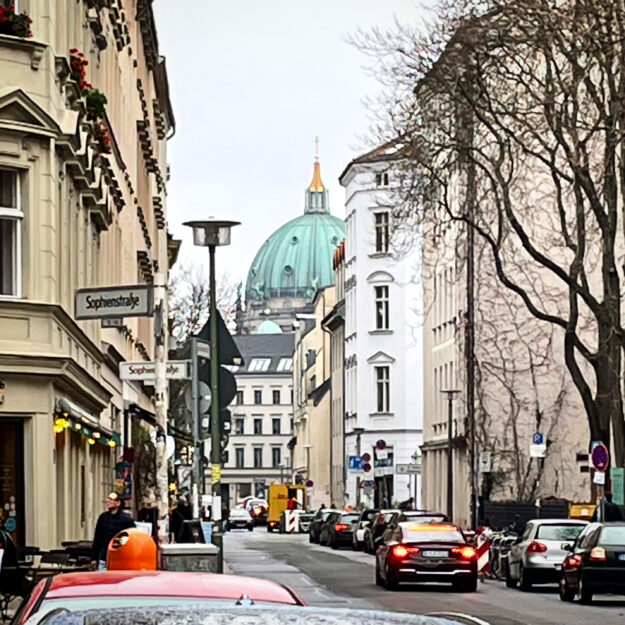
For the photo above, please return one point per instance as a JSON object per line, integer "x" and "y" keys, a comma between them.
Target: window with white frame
{"x": 381, "y": 307}
{"x": 383, "y": 388}
{"x": 381, "y": 179}
{"x": 381, "y": 232}
{"x": 259, "y": 364}
{"x": 276, "y": 457}
{"x": 10, "y": 232}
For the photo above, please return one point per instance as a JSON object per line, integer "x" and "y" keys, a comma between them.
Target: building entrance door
{"x": 12, "y": 478}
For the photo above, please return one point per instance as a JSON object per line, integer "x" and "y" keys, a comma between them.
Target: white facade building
{"x": 262, "y": 416}
{"x": 383, "y": 339}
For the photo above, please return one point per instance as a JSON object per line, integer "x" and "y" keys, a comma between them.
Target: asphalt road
{"x": 324, "y": 577}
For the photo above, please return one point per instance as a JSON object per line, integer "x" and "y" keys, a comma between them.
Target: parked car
{"x": 537, "y": 556}
{"x": 340, "y": 533}
{"x": 127, "y": 589}
{"x": 240, "y": 518}
{"x": 314, "y": 530}
{"x": 359, "y": 535}
{"x": 258, "y": 510}
{"x": 378, "y": 526}
{"x": 324, "y": 532}
{"x": 304, "y": 521}
{"x": 427, "y": 552}
{"x": 595, "y": 563}
{"x": 245, "y": 611}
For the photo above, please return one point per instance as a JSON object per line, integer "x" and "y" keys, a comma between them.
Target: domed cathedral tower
{"x": 293, "y": 263}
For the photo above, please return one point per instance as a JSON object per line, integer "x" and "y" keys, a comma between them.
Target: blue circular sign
{"x": 600, "y": 458}
{"x": 10, "y": 525}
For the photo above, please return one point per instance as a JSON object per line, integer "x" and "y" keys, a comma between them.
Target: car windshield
{"x": 559, "y": 532}
{"x": 613, "y": 535}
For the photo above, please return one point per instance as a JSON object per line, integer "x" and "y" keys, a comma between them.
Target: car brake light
{"x": 466, "y": 553}
{"x": 536, "y": 547}
{"x": 341, "y": 527}
{"x": 401, "y": 551}
{"x": 573, "y": 561}
{"x": 258, "y": 510}
{"x": 598, "y": 554}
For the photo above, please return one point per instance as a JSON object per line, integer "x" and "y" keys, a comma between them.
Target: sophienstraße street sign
{"x": 114, "y": 301}
{"x": 403, "y": 469}
{"x": 146, "y": 371}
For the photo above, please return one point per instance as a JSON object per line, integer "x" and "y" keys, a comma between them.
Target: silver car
{"x": 538, "y": 555}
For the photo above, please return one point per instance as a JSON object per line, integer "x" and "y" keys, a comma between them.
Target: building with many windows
{"x": 383, "y": 336}
{"x": 84, "y": 117}
{"x": 262, "y": 416}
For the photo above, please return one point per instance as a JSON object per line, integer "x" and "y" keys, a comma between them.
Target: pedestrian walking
{"x": 109, "y": 523}
{"x": 181, "y": 513}
{"x": 611, "y": 512}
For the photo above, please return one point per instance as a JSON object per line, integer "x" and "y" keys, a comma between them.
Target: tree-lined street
{"x": 345, "y": 579}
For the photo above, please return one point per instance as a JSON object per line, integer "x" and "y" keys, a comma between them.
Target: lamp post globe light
{"x": 213, "y": 233}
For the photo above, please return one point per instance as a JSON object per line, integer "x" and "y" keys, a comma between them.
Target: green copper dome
{"x": 296, "y": 260}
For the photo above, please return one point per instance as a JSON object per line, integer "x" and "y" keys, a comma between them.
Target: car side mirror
{"x": 566, "y": 546}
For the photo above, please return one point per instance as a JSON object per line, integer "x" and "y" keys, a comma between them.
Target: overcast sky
{"x": 252, "y": 83}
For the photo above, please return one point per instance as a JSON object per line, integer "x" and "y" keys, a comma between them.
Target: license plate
{"x": 621, "y": 556}
{"x": 434, "y": 554}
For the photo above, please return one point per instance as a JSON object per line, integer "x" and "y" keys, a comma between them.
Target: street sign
{"x": 600, "y": 457}
{"x": 538, "y": 451}
{"x": 367, "y": 483}
{"x": 382, "y": 454}
{"x": 383, "y": 467}
{"x": 485, "y": 462}
{"x": 599, "y": 478}
{"x": 309, "y": 483}
{"x": 204, "y": 392}
{"x": 227, "y": 349}
{"x": 366, "y": 467}
{"x": 539, "y": 438}
{"x": 114, "y": 301}
{"x": 355, "y": 464}
{"x": 146, "y": 371}
{"x": 366, "y": 457}
{"x": 381, "y": 444}
{"x": 410, "y": 468}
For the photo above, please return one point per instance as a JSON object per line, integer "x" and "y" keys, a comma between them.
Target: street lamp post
{"x": 450, "y": 394}
{"x": 213, "y": 233}
{"x": 415, "y": 459}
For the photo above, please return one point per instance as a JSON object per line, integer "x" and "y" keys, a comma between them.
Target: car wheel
{"x": 250, "y": 528}
{"x": 390, "y": 583}
{"x": 585, "y": 595}
{"x": 310, "y": 539}
{"x": 566, "y": 593}
{"x": 510, "y": 582}
{"x": 378, "y": 578}
{"x": 525, "y": 580}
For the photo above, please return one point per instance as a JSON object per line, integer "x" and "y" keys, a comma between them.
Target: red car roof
{"x": 168, "y": 584}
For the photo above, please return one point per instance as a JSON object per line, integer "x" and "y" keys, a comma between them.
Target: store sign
{"x": 383, "y": 467}
{"x": 115, "y": 301}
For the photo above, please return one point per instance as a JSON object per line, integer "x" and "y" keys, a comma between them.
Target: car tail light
{"x": 536, "y": 547}
{"x": 466, "y": 553}
{"x": 341, "y": 527}
{"x": 598, "y": 555}
{"x": 401, "y": 551}
{"x": 572, "y": 561}
{"x": 258, "y": 511}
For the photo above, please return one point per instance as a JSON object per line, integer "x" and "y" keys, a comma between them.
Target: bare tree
{"x": 189, "y": 301}
{"x": 511, "y": 115}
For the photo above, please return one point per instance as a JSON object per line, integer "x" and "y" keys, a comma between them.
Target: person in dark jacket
{"x": 611, "y": 511}
{"x": 109, "y": 523}
{"x": 181, "y": 513}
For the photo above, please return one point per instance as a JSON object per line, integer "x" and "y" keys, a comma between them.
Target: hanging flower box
{"x": 15, "y": 24}
{"x": 95, "y": 101}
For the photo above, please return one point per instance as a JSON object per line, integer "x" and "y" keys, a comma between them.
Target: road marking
{"x": 469, "y": 620}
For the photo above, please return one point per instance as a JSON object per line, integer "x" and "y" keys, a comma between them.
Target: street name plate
{"x": 403, "y": 469}
{"x": 146, "y": 371}
{"x": 114, "y": 301}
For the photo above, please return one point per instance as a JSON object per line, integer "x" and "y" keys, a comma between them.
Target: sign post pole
{"x": 161, "y": 392}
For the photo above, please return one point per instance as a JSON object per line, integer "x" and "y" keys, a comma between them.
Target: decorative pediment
{"x": 380, "y": 277}
{"x": 19, "y": 112}
{"x": 380, "y": 358}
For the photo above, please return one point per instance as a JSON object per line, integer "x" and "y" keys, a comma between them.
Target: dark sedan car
{"x": 596, "y": 563}
{"x": 314, "y": 529}
{"x": 427, "y": 552}
{"x": 324, "y": 533}
{"x": 340, "y": 532}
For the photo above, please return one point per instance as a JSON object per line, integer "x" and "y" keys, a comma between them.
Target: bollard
{"x": 217, "y": 539}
